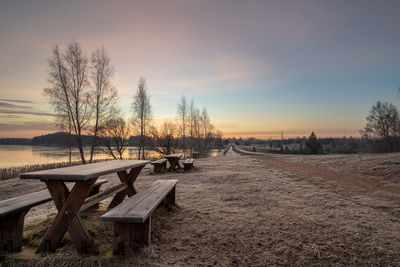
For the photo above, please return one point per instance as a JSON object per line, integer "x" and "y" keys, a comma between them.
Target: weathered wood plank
{"x": 173, "y": 156}
{"x": 27, "y": 201}
{"x": 84, "y": 172}
{"x": 160, "y": 161}
{"x": 90, "y": 201}
{"x": 124, "y": 207}
{"x": 139, "y": 207}
{"x": 143, "y": 209}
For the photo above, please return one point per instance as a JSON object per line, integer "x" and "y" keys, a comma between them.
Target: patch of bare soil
{"x": 242, "y": 210}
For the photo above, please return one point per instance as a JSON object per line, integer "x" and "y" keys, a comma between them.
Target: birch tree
{"x": 141, "y": 109}
{"x": 191, "y": 126}
{"x": 182, "y": 115}
{"x": 103, "y": 94}
{"x": 68, "y": 93}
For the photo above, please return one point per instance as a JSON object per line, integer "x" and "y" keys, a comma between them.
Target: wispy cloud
{"x": 14, "y": 107}
{"x": 11, "y": 106}
{"x": 16, "y": 100}
{"x": 26, "y": 126}
{"x": 16, "y": 111}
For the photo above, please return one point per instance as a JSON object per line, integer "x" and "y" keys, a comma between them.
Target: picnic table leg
{"x": 128, "y": 179}
{"x": 172, "y": 164}
{"x": 11, "y": 228}
{"x": 68, "y": 205}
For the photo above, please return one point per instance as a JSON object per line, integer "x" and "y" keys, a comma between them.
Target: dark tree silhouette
{"x": 313, "y": 144}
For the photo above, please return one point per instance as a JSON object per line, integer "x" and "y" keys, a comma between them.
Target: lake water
{"x": 16, "y": 155}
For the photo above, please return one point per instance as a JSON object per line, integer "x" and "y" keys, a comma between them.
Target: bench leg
{"x": 169, "y": 200}
{"x": 11, "y": 229}
{"x": 158, "y": 168}
{"x": 127, "y": 235}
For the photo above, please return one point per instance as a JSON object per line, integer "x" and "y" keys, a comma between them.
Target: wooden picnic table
{"x": 69, "y": 203}
{"x": 173, "y": 160}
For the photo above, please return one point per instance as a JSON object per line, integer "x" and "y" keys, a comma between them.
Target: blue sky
{"x": 259, "y": 67}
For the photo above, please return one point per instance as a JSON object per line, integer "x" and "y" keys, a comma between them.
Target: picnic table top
{"x": 84, "y": 172}
{"x": 173, "y": 156}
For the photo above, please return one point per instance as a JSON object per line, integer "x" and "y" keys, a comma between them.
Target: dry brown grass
{"x": 241, "y": 210}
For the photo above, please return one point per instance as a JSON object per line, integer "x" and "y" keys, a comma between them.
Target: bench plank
{"x": 143, "y": 209}
{"x": 160, "y": 161}
{"x": 134, "y": 209}
{"x": 28, "y": 201}
{"x": 103, "y": 195}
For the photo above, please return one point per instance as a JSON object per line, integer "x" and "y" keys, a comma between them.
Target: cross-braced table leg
{"x": 173, "y": 162}
{"x": 128, "y": 179}
{"x": 68, "y": 205}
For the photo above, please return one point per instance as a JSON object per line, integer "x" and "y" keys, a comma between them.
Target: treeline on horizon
{"x": 64, "y": 139}
{"x": 328, "y": 145}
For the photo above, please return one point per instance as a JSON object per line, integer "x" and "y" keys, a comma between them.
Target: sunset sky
{"x": 259, "y": 67}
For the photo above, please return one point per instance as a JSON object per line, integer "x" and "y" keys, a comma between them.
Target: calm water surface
{"x": 15, "y": 155}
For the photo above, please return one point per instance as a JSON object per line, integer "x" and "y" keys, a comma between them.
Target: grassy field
{"x": 254, "y": 210}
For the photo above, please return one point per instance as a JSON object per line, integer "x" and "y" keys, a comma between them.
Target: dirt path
{"x": 369, "y": 188}
{"x": 240, "y": 210}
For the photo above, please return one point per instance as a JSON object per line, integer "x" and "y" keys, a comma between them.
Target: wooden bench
{"x": 188, "y": 164}
{"x": 132, "y": 218}
{"x": 13, "y": 211}
{"x": 159, "y": 165}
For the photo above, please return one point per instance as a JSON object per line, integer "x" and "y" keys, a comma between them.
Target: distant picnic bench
{"x": 159, "y": 165}
{"x": 173, "y": 160}
{"x": 187, "y": 164}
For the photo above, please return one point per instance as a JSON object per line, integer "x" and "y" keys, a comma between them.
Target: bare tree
{"x": 219, "y": 140}
{"x": 69, "y": 89}
{"x": 197, "y": 129}
{"x": 191, "y": 126}
{"x": 164, "y": 137}
{"x": 114, "y": 135}
{"x": 383, "y": 121}
{"x": 206, "y": 128}
{"x": 103, "y": 94}
{"x": 141, "y": 109}
{"x": 182, "y": 115}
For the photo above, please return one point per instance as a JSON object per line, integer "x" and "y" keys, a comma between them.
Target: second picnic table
{"x": 173, "y": 160}
{"x": 68, "y": 203}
